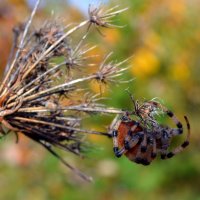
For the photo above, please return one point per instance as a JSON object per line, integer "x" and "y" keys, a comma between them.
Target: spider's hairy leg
{"x": 129, "y": 142}
{"x": 142, "y": 154}
{"x": 164, "y": 138}
{"x": 184, "y": 144}
{"x": 118, "y": 152}
{"x": 168, "y": 134}
{"x": 164, "y": 147}
{"x": 135, "y": 102}
{"x": 154, "y": 150}
{"x": 143, "y": 147}
{"x": 114, "y": 127}
{"x": 134, "y": 140}
{"x": 179, "y": 125}
{"x": 163, "y": 154}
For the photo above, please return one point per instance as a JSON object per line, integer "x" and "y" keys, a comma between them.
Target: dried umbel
{"x": 43, "y": 94}
{"x": 44, "y": 99}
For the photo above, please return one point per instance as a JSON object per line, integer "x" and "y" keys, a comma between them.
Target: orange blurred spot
{"x": 177, "y": 8}
{"x": 96, "y": 138}
{"x": 145, "y": 63}
{"x": 95, "y": 57}
{"x": 112, "y": 36}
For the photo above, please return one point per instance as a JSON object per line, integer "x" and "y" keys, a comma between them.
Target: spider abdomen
{"x": 124, "y": 129}
{"x": 136, "y": 155}
{"x": 134, "y": 152}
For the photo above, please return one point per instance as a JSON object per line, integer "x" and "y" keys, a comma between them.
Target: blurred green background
{"x": 164, "y": 38}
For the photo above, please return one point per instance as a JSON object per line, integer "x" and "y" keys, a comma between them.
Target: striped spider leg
{"x": 166, "y": 133}
{"x": 169, "y": 133}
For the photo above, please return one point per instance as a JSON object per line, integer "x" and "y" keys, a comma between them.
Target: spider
{"x": 140, "y": 142}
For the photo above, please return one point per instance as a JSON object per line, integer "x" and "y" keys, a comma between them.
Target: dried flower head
{"x": 101, "y": 17}
{"x": 42, "y": 98}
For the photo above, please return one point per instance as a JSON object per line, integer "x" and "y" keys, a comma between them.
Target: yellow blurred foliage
{"x": 145, "y": 63}
{"x": 152, "y": 41}
{"x": 180, "y": 71}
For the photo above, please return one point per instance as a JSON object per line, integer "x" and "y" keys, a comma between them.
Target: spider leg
{"x": 164, "y": 146}
{"x": 179, "y": 125}
{"x": 129, "y": 141}
{"x": 184, "y": 144}
{"x": 169, "y": 134}
{"x": 115, "y": 123}
{"x": 134, "y": 140}
{"x": 164, "y": 140}
{"x": 154, "y": 151}
{"x": 118, "y": 152}
{"x": 142, "y": 154}
{"x": 163, "y": 154}
{"x": 114, "y": 127}
{"x": 135, "y": 102}
{"x": 144, "y": 141}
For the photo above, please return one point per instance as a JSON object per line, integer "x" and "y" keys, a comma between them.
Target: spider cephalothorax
{"x": 141, "y": 140}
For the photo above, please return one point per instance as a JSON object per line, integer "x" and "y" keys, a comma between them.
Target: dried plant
{"x": 43, "y": 94}
{"x": 34, "y": 88}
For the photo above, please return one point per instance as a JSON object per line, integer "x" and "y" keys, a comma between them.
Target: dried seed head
{"x": 109, "y": 72}
{"x": 101, "y": 17}
{"x": 39, "y": 99}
